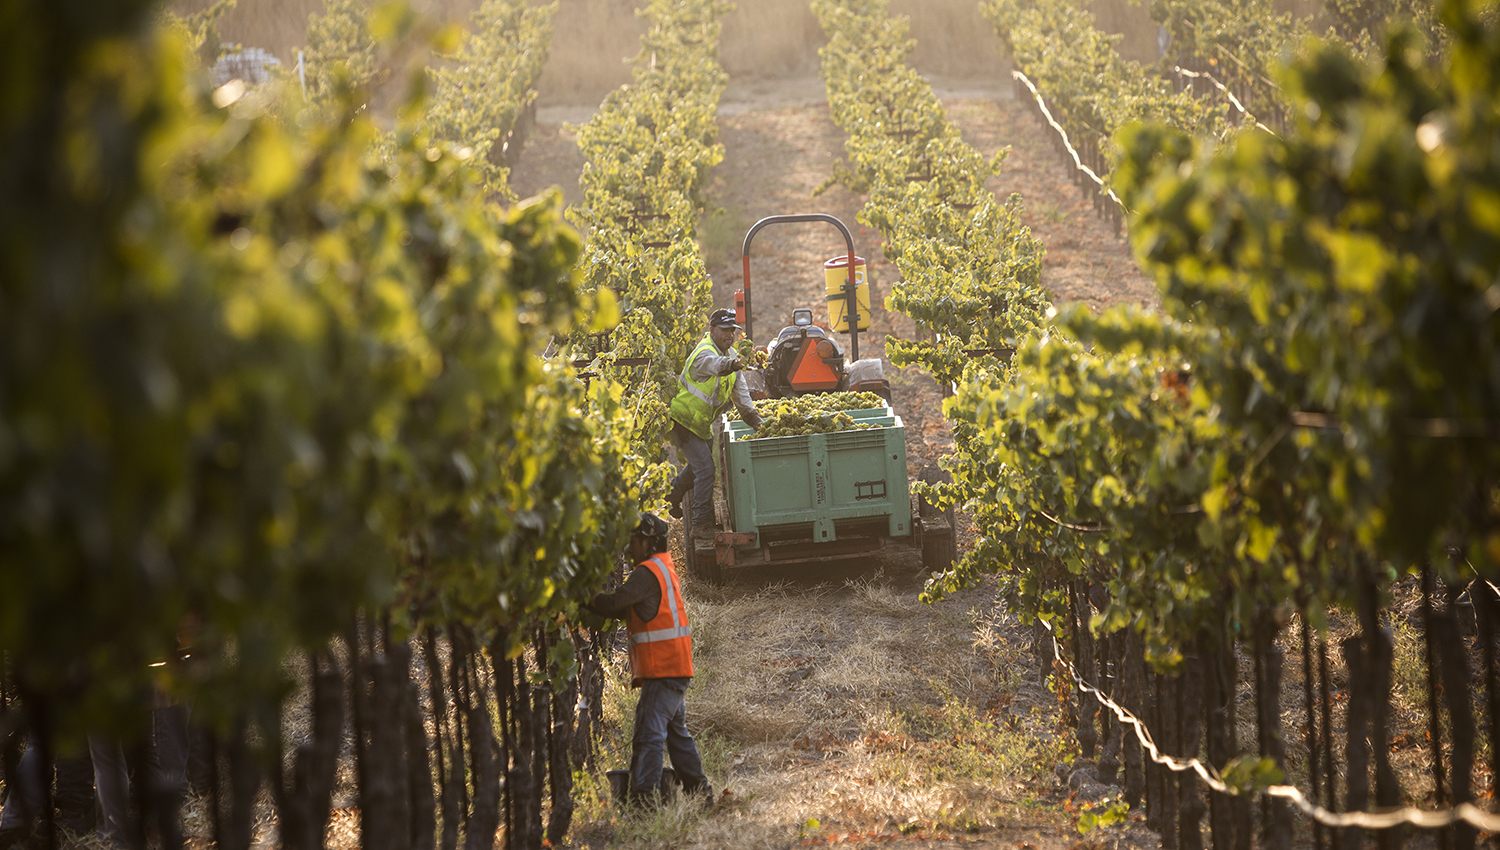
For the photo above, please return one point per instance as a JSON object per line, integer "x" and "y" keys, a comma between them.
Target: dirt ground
{"x": 832, "y": 706}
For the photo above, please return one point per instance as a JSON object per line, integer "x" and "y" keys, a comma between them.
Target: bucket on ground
{"x": 836, "y": 276}
{"x": 619, "y": 784}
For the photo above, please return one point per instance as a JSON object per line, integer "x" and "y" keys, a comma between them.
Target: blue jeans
{"x": 107, "y": 783}
{"x": 24, "y": 805}
{"x": 661, "y": 719}
{"x": 698, "y": 475}
{"x": 73, "y": 795}
{"x": 163, "y": 778}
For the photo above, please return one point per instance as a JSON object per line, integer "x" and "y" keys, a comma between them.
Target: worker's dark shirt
{"x": 640, "y": 590}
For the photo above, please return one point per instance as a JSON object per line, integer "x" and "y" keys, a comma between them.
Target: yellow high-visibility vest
{"x": 697, "y": 402}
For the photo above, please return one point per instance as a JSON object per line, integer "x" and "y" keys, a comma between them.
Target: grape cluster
{"x": 811, "y": 414}
{"x": 753, "y": 357}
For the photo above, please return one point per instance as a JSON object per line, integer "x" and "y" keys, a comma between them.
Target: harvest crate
{"x": 813, "y": 486}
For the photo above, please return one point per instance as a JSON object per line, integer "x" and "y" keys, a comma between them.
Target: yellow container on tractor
{"x": 836, "y": 275}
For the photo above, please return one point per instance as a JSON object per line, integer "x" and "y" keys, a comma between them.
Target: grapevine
{"x": 343, "y": 56}
{"x": 969, "y": 269}
{"x": 291, "y": 393}
{"x": 1093, "y": 90}
{"x": 197, "y": 29}
{"x": 1287, "y": 435}
{"x": 488, "y": 83}
{"x": 479, "y": 93}
{"x": 648, "y": 148}
{"x": 1238, "y": 41}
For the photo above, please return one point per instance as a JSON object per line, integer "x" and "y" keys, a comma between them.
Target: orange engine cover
{"x": 809, "y": 372}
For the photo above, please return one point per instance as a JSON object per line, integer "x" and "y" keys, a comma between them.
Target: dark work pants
{"x": 73, "y": 795}
{"x": 165, "y": 773}
{"x": 661, "y": 721}
{"x": 697, "y": 476}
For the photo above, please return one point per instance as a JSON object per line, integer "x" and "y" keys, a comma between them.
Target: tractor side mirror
{"x": 802, "y": 317}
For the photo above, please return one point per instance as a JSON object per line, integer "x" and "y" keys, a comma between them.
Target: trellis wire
{"x": 1466, "y": 812}
{"x": 1234, "y": 101}
{"x": 1077, "y": 162}
{"x": 1072, "y": 152}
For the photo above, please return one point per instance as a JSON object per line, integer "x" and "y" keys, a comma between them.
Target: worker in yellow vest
{"x": 709, "y": 383}
{"x": 661, "y": 664}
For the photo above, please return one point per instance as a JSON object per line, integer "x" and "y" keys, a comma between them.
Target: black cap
{"x": 651, "y": 525}
{"x": 724, "y": 318}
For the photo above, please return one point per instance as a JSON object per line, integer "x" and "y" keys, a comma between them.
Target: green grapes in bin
{"x": 811, "y": 414}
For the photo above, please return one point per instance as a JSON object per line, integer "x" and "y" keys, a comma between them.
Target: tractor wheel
{"x": 939, "y": 529}
{"x": 701, "y": 563}
{"x": 939, "y": 548}
{"x": 704, "y": 564}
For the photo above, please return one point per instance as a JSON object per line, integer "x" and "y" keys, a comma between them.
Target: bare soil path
{"x": 1085, "y": 262}
{"x": 834, "y": 707}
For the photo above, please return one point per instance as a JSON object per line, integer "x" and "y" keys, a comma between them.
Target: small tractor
{"x": 815, "y": 498}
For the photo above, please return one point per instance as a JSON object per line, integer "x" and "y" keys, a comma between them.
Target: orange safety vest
{"x": 661, "y": 647}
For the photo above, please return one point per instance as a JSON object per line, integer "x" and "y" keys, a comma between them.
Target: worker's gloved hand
{"x": 753, "y": 420}
{"x": 736, "y": 364}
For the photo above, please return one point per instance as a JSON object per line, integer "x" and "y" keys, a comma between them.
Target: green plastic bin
{"x": 819, "y": 480}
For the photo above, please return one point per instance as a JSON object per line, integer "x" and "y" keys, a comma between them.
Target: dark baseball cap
{"x": 651, "y": 525}
{"x": 724, "y": 318}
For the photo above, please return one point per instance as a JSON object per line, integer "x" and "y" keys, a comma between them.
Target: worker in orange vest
{"x": 661, "y": 664}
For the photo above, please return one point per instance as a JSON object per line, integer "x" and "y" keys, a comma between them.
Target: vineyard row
{"x": 1206, "y": 505}
{"x": 1151, "y": 483}
{"x": 282, "y": 441}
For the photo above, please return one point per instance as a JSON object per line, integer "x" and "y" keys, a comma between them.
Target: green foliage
{"x": 342, "y": 54}
{"x": 1348, "y": 270}
{"x": 648, "y": 148}
{"x": 1243, "y": 42}
{"x": 1250, "y": 775}
{"x": 971, "y": 277}
{"x": 488, "y": 81}
{"x": 1239, "y": 41}
{"x": 1365, "y": 24}
{"x": 1093, "y": 460}
{"x": 198, "y": 30}
{"x": 969, "y": 269}
{"x": 255, "y": 383}
{"x": 471, "y": 100}
{"x": 1114, "y": 811}
{"x": 1091, "y": 90}
{"x": 1312, "y": 398}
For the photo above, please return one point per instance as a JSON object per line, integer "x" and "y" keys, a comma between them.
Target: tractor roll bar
{"x": 851, "y": 309}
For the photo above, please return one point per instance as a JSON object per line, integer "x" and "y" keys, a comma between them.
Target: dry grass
{"x": 1410, "y": 747}
{"x": 852, "y": 713}
{"x": 824, "y": 710}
